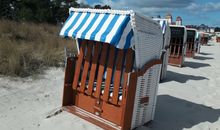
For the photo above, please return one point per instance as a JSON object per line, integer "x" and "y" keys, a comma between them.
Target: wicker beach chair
{"x": 113, "y": 80}
{"x": 204, "y": 38}
{"x": 218, "y": 37}
{"x": 177, "y": 45}
{"x": 166, "y": 43}
{"x": 198, "y": 42}
{"x": 191, "y": 42}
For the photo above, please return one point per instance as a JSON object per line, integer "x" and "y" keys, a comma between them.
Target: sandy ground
{"x": 188, "y": 99}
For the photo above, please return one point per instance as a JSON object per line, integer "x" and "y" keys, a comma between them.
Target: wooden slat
{"x": 180, "y": 47}
{"x": 101, "y": 69}
{"x": 109, "y": 73}
{"x": 174, "y": 46}
{"x": 86, "y": 66}
{"x": 68, "y": 93}
{"x": 129, "y": 103}
{"x": 188, "y": 44}
{"x": 93, "y": 68}
{"x": 78, "y": 64}
{"x": 192, "y": 44}
{"x": 128, "y": 68}
{"x": 174, "y": 52}
{"x": 171, "y": 50}
{"x": 117, "y": 77}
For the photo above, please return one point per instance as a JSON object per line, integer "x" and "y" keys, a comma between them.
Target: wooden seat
{"x": 176, "y": 51}
{"x": 100, "y": 84}
{"x": 91, "y": 82}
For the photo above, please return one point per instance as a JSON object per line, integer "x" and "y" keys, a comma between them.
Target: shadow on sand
{"x": 181, "y": 78}
{"x": 195, "y": 65}
{"x": 175, "y": 114}
{"x": 202, "y": 58}
{"x": 203, "y": 53}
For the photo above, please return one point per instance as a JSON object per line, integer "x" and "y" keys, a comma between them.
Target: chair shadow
{"x": 195, "y": 65}
{"x": 202, "y": 58}
{"x": 181, "y": 78}
{"x": 176, "y": 114}
{"x": 203, "y": 53}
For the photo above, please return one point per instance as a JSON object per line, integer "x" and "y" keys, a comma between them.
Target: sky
{"x": 194, "y": 12}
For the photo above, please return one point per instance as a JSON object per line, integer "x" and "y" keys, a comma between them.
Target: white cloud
{"x": 208, "y": 7}
{"x": 148, "y": 7}
{"x": 212, "y": 7}
{"x": 82, "y": 1}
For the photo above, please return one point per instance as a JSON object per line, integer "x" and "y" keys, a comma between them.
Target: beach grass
{"x": 28, "y": 48}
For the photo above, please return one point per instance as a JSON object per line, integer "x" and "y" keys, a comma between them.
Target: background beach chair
{"x": 198, "y": 42}
{"x": 166, "y": 42}
{"x": 218, "y": 37}
{"x": 177, "y": 45}
{"x": 191, "y": 42}
{"x": 204, "y": 38}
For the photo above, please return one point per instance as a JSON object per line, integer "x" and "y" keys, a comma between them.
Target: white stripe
{"x": 114, "y": 29}
{"x": 68, "y": 24}
{"x": 94, "y": 26}
{"x": 163, "y": 27}
{"x": 76, "y": 25}
{"x": 161, "y": 23}
{"x": 79, "y": 33}
{"x": 104, "y": 27}
{"x": 126, "y": 31}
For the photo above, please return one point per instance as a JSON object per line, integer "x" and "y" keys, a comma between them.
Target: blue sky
{"x": 192, "y": 11}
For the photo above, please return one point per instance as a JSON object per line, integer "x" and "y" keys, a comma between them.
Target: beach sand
{"x": 189, "y": 98}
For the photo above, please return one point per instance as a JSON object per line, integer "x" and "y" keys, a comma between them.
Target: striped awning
{"x": 163, "y": 23}
{"x": 110, "y": 28}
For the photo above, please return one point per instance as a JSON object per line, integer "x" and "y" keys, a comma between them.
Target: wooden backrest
{"x": 176, "y": 46}
{"x": 190, "y": 39}
{"x": 177, "y": 41}
{"x": 101, "y": 70}
{"x": 190, "y": 43}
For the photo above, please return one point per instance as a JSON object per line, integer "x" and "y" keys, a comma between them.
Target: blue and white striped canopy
{"x": 163, "y": 23}
{"x": 110, "y": 28}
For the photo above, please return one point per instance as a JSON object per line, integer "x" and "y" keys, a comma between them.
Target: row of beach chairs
{"x": 113, "y": 80}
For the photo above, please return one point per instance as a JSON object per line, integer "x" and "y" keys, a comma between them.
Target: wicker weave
{"x": 147, "y": 44}
{"x": 148, "y": 41}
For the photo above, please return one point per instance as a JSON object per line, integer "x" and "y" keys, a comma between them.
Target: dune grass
{"x": 28, "y": 48}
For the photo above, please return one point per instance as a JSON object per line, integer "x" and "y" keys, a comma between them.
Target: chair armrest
{"x": 148, "y": 65}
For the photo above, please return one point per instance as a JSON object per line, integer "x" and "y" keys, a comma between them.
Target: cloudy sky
{"x": 192, "y": 11}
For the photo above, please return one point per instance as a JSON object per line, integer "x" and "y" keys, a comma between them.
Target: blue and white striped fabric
{"x": 114, "y": 29}
{"x": 163, "y": 23}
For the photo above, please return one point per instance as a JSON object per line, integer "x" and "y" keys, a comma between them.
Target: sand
{"x": 188, "y": 99}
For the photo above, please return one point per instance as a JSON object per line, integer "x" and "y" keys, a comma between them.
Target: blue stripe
{"x": 164, "y": 27}
{"x": 92, "y": 37}
{"x": 109, "y": 28}
{"x": 128, "y": 40}
{"x": 73, "y": 23}
{"x": 119, "y": 32}
{"x": 83, "y": 35}
{"x": 81, "y": 24}
{"x": 71, "y": 14}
